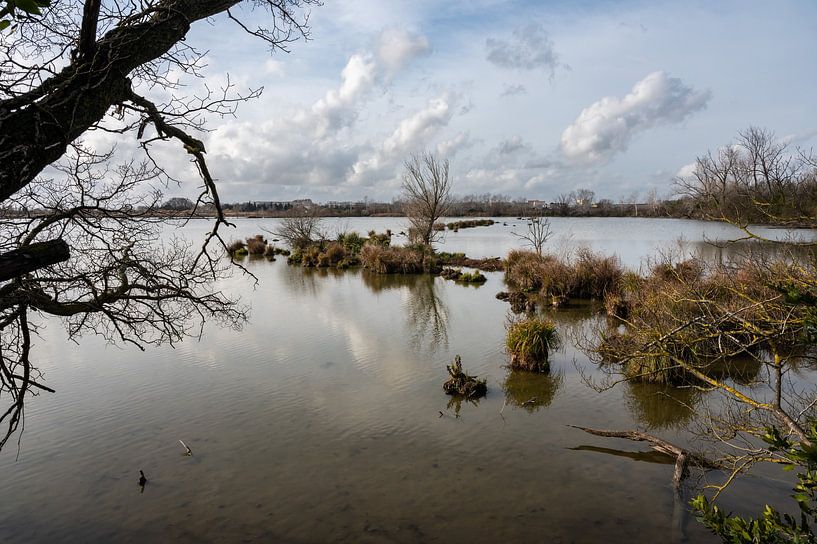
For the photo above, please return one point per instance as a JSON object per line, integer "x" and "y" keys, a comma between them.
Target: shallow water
{"x": 320, "y": 421}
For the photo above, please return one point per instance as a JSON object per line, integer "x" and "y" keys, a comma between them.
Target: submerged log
{"x": 682, "y": 456}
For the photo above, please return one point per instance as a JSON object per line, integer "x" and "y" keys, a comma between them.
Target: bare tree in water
{"x": 537, "y": 235}
{"x": 82, "y": 241}
{"x": 427, "y": 196}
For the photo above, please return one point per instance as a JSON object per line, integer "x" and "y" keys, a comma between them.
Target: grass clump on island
{"x": 343, "y": 252}
{"x": 488, "y": 264}
{"x": 583, "y": 275}
{"x": 463, "y": 385}
{"x": 463, "y": 277}
{"x": 469, "y": 224}
{"x": 529, "y": 343}
{"x": 255, "y": 246}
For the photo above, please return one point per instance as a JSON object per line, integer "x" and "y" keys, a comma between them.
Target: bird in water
{"x": 142, "y": 480}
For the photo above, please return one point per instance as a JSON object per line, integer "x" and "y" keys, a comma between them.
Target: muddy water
{"x": 320, "y": 421}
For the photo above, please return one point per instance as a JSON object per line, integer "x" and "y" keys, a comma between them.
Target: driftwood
{"x": 682, "y": 456}
{"x": 32, "y": 257}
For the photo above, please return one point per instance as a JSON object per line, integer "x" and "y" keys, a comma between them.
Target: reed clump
{"x": 256, "y": 245}
{"x": 414, "y": 259}
{"x": 529, "y": 343}
{"x": 584, "y": 275}
{"x": 463, "y": 385}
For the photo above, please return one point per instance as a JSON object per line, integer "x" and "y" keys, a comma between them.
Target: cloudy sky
{"x": 525, "y": 98}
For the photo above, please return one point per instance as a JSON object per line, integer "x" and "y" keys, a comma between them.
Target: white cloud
{"x": 686, "y": 170}
{"x": 396, "y": 47}
{"x": 607, "y": 126}
{"x": 338, "y": 108}
{"x": 412, "y": 134}
{"x": 449, "y": 148}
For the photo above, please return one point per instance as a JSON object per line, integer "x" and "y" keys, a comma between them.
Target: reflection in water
{"x": 456, "y": 401}
{"x": 661, "y": 407}
{"x": 427, "y": 314}
{"x": 651, "y": 456}
{"x": 531, "y": 390}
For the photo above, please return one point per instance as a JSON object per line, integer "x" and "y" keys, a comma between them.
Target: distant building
{"x": 535, "y": 203}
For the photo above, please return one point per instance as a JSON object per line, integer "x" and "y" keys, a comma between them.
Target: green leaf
{"x": 4, "y": 25}
{"x": 29, "y": 6}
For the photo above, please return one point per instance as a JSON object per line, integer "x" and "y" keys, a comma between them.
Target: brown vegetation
{"x": 461, "y": 384}
{"x": 686, "y": 320}
{"x": 415, "y": 259}
{"x": 586, "y": 275}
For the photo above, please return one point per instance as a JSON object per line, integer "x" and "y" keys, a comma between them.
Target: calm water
{"x": 320, "y": 421}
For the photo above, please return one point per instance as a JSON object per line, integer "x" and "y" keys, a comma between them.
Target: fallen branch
{"x": 682, "y": 456}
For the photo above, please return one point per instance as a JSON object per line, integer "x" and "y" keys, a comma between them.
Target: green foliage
{"x": 351, "y": 241}
{"x": 462, "y": 277}
{"x": 11, "y": 8}
{"x": 770, "y": 526}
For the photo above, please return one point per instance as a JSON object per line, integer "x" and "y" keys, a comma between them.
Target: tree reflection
{"x": 531, "y": 390}
{"x": 456, "y": 401}
{"x": 426, "y": 312}
{"x": 662, "y": 407}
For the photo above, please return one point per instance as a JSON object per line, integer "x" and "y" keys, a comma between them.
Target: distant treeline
{"x": 794, "y": 208}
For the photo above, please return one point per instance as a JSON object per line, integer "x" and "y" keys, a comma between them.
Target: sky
{"x": 526, "y": 99}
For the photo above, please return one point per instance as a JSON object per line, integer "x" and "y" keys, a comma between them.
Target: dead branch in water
{"x": 682, "y": 456}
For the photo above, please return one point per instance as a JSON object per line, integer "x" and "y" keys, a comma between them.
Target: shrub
{"x": 332, "y": 255}
{"x": 310, "y": 256}
{"x": 396, "y": 260}
{"x": 461, "y": 384}
{"x": 524, "y": 270}
{"x": 256, "y": 245}
{"x": 595, "y": 275}
{"x": 352, "y": 242}
{"x": 237, "y": 249}
{"x": 383, "y": 240}
{"x": 529, "y": 343}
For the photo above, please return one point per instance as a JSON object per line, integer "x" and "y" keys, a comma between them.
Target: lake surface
{"x": 320, "y": 420}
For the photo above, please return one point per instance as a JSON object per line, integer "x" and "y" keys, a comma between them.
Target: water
{"x": 320, "y": 421}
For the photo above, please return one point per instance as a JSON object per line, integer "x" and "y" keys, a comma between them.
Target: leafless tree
{"x": 112, "y": 269}
{"x": 427, "y": 195}
{"x": 538, "y": 233}
{"x": 301, "y": 229}
{"x": 584, "y": 198}
{"x": 756, "y": 179}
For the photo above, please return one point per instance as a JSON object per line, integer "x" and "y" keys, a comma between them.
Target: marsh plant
{"x": 529, "y": 343}
{"x": 461, "y": 384}
{"x": 583, "y": 275}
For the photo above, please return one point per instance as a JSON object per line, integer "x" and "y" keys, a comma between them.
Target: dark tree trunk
{"x": 35, "y": 129}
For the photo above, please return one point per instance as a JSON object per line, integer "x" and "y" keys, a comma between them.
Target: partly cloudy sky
{"x": 524, "y": 98}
